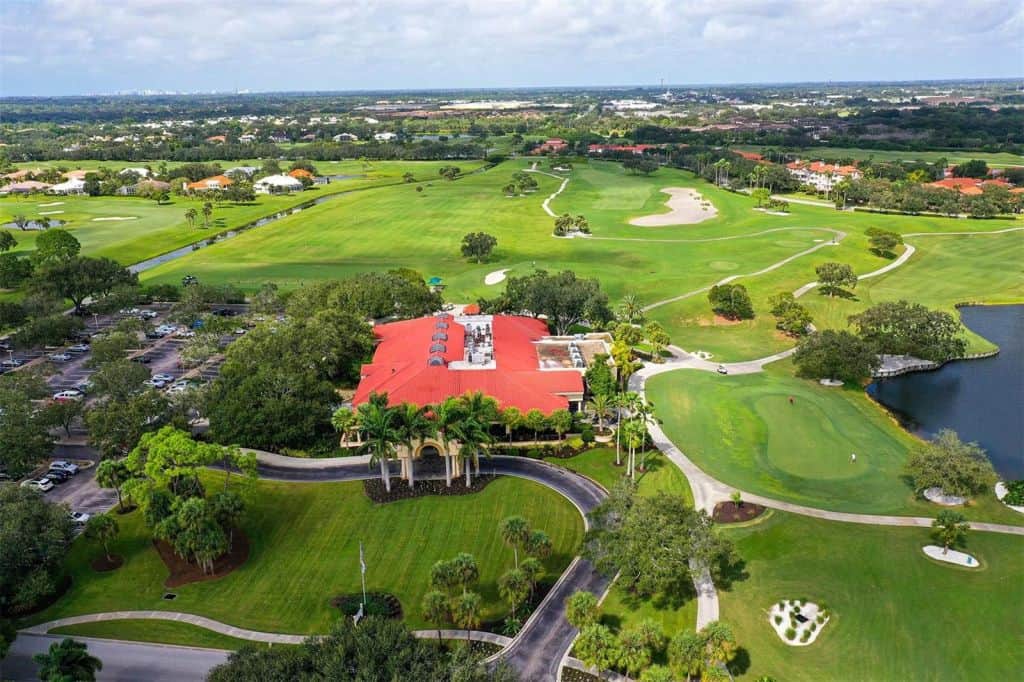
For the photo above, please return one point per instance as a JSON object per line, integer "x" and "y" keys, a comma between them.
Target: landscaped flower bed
{"x": 798, "y": 622}
{"x": 377, "y": 604}
{"x": 400, "y": 490}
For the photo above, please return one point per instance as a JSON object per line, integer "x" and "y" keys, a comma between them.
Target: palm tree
{"x": 600, "y": 405}
{"x": 21, "y": 222}
{"x": 436, "y": 609}
{"x": 67, "y": 660}
{"x": 413, "y": 425}
{"x": 619, "y": 402}
{"x": 630, "y": 309}
{"x": 514, "y": 587}
{"x": 207, "y": 212}
{"x": 719, "y": 643}
{"x": 379, "y": 425}
{"x": 466, "y": 570}
{"x": 466, "y": 613}
{"x": 533, "y": 569}
{"x": 515, "y": 531}
{"x": 950, "y": 528}
{"x": 538, "y": 544}
{"x": 512, "y": 418}
{"x": 102, "y": 528}
{"x": 447, "y": 415}
{"x": 190, "y": 216}
{"x": 343, "y": 419}
{"x": 473, "y": 430}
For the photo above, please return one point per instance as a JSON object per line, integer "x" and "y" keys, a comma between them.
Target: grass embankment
{"x": 896, "y": 615}
{"x": 305, "y": 549}
{"x": 743, "y": 430}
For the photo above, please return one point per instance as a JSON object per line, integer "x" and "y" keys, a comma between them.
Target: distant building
{"x": 384, "y": 137}
{"x": 619, "y": 148}
{"x": 968, "y": 186}
{"x": 217, "y": 139}
{"x": 143, "y": 185}
{"x": 244, "y": 171}
{"x": 140, "y": 171}
{"x": 299, "y": 173}
{"x": 76, "y": 174}
{"x": 206, "y": 184}
{"x": 749, "y": 156}
{"x": 248, "y": 138}
{"x": 72, "y": 186}
{"x": 25, "y": 187}
{"x": 554, "y": 145}
{"x": 822, "y": 176}
{"x": 345, "y": 137}
{"x": 277, "y": 184}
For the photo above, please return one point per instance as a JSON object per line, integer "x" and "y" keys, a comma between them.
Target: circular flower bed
{"x": 377, "y": 604}
{"x": 730, "y": 512}
{"x": 798, "y": 622}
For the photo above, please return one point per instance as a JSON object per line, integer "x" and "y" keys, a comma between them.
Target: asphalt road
{"x": 122, "y": 661}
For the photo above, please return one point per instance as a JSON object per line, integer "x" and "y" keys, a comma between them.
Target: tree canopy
{"x": 731, "y": 301}
{"x": 904, "y": 328}
{"x": 478, "y": 245}
{"x": 565, "y": 299}
{"x": 946, "y": 462}
{"x": 35, "y": 536}
{"x": 831, "y": 354}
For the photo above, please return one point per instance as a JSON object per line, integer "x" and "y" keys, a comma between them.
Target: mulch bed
{"x": 730, "y": 512}
{"x": 128, "y": 509}
{"x": 377, "y": 604}
{"x": 374, "y": 488}
{"x": 183, "y": 572}
{"x": 102, "y": 564}
{"x": 574, "y": 675}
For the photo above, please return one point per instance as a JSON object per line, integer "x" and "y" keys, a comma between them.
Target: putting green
{"x": 743, "y": 430}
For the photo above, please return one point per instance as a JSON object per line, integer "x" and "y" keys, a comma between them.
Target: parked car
{"x": 58, "y": 476}
{"x": 79, "y": 348}
{"x": 79, "y": 518}
{"x": 239, "y": 331}
{"x": 722, "y": 370}
{"x": 12, "y": 362}
{"x": 59, "y": 357}
{"x": 185, "y": 333}
{"x": 154, "y": 334}
{"x": 64, "y": 465}
{"x": 166, "y": 378}
{"x": 144, "y": 359}
{"x": 5, "y": 344}
{"x": 41, "y": 484}
{"x": 129, "y": 311}
{"x": 70, "y": 394}
{"x": 155, "y": 383}
{"x": 148, "y": 314}
{"x": 84, "y": 386}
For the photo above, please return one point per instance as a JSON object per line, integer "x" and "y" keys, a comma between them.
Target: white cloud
{"x": 75, "y": 45}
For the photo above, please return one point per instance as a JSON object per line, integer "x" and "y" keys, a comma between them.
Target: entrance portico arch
{"x": 427, "y": 447}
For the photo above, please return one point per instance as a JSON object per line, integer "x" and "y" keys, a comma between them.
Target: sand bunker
{"x": 50, "y": 212}
{"x": 687, "y": 208}
{"x": 52, "y": 203}
{"x": 950, "y": 556}
{"x": 116, "y": 217}
{"x": 495, "y": 277}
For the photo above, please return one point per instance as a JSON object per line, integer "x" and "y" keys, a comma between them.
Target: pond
{"x": 35, "y": 224}
{"x": 982, "y": 400}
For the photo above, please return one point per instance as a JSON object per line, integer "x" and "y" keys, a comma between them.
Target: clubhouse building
{"x": 508, "y": 357}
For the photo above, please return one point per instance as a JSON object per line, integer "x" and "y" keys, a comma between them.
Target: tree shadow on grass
{"x": 741, "y": 664}
{"x": 837, "y": 293}
{"x": 730, "y": 570}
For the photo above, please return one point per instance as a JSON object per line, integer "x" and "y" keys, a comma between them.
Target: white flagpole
{"x": 362, "y": 571}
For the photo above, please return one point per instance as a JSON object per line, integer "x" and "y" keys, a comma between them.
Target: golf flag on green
{"x": 362, "y": 560}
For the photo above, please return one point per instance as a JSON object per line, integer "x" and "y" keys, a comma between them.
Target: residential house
{"x": 139, "y": 170}
{"x": 555, "y": 145}
{"x": 217, "y": 139}
{"x": 72, "y": 186}
{"x": 141, "y": 186}
{"x": 277, "y": 184}
{"x": 822, "y": 176}
{"x": 384, "y": 137}
{"x": 241, "y": 172}
{"x": 25, "y": 187}
{"x": 345, "y": 137}
{"x": 206, "y": 184}
{"x": 637, "y": 149}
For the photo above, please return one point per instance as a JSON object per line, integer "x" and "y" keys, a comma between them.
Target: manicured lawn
{"x": 161, "y": 631}
{"x": 742, "y": 430}
{"x": 305, "y": 549}
{"x": 598, "y": 464}
{"x": 158, "y": 229}
{"x": 896, "y": 615}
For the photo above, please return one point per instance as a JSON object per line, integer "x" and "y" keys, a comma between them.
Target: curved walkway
{"x": 565, "y": 181}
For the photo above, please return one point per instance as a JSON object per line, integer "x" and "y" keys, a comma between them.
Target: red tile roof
{"x": 300, "y": 173}
{"x": 749, "y": 156}
{"x": 218, "y": 180}
{"x": 400, "y": 366}
{"x": 823, "y": 168}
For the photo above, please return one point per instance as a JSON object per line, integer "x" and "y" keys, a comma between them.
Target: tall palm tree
{"x": 479, "y": 411}
{"x": 619, "y": 402}
{"x": 190, "y": 216}
{"x": 630, "y": 309}
{"x": 382, "y": 434}
{"x": 447, "y": 416}
{"x": 466, "y": 613}
{"x": 515, "y": 531}
{"x": 68, "y": 660}
{"x": 207, "y": 212}
{"x": 343, "y": 420}
{"x": 414, "y": 424}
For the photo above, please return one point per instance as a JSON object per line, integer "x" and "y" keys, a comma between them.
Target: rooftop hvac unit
{"x": 438, "y": 348}
{"x": 440, "y": 336}
{"x": 435, "y": 361}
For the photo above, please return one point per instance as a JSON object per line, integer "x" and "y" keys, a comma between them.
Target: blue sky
{"x": 87, "y": 46}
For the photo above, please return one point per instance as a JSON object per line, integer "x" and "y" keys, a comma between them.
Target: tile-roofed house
{"x": 215, "y": 182}
{"x": 426, "y": 360}
{"x": 823, "y": 176}
{"x": 25, "y": 187}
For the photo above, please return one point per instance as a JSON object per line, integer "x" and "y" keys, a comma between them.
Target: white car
{"x": 166, "y": 378}
{"x": 154, "y": 382}
{"x": 59, "y": 357}
{"x": 79, "y": 518}
{"x": 84, "y": 386}
{"x": 12, "y": 362}
{"x": 79, "y": 348}
{"x": 239, "y": 331}
{"x": 185, "y": 333}
{"x": 129, "y": 311}
{"x": 148, "y": 314}
{"x": 70, "y": 394}
{"x": 64, "y": 465}
{"x": 167, "y": 329}
{"x": 41, "y": 484}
